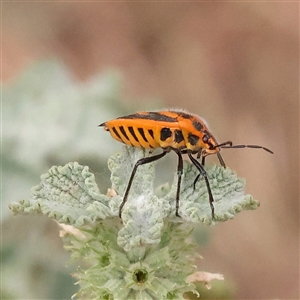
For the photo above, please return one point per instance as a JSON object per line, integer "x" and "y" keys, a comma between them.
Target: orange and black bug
{"x": 182, "y": 132}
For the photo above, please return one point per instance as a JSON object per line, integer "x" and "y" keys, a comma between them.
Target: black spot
{"x": 116, "y": 133}
{"x": 178, "y": 136}
{"x": 123, "y": 132}
{"x": 142, "y": 133}
{"x": 197, "y": 125}
{"x": 131, "y": 130}
{"x": 165, "y": 133}
{"x": 193, "y": 139}
{"x": 151, "y": 133}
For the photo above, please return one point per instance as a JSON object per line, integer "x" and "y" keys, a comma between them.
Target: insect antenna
{"x": 228, "y": 145}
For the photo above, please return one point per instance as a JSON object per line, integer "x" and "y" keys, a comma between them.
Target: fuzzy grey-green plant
{"x": 150, "y": 253}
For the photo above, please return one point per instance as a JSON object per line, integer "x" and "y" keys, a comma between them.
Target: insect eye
{"x": 205, "y": 138}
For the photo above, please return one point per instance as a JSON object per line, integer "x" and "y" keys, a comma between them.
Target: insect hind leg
{"x": 179, "y": 174}
{"x": 142, "y": 161}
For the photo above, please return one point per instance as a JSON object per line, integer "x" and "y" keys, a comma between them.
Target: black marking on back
{"x": 178, "y": 136}
{"x": 185, "y": 115}
{"x": 182, "y": 114}
{"x": 165, "y": 133}
{"x": 142, "y": 133}
{"x": 193, "y": 139}
{"x": 156, "y": 116}
{"x": 197, "y": 125}
{"x": 124, "y": 132}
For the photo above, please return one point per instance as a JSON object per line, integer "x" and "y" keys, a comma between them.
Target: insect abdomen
{"x": 130, "y": 133}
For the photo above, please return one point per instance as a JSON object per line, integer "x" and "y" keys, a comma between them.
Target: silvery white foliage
{"x": 71, "y": 193}
{"x": 46, "y": 111}
{"x": 67, "y": 194}
{"x": 143, "y": 202}
{"x": 227, "y": 190}
{"x": 48, "y": 116}
{"x": 144, "y": 212}
{"x": 150, "y": 253}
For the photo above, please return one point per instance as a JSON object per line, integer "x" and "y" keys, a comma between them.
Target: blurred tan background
{"x": 235, "y": 64}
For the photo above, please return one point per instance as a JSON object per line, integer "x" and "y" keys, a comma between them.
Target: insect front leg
{"x": 202, "y": 171}
{"x": 142, "y": 161}
{"x": 202, "y": 163}
{"x": 179, "y": 175}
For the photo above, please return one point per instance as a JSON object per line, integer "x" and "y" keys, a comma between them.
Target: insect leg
{"x": 179, "y": 174}
{"x": 204, "y": 174}
{"x": 142, "y": 161}
{"x": 195, "y": 181}
{"x": 202, "y": 163}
